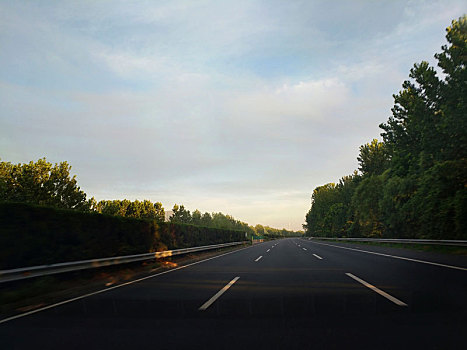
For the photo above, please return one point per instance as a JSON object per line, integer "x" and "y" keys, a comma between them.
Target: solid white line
{"x": 377, "y": 290}
{"x": 218, "y": 294}
{"x": 397, "y": 257}
{"x": 267, "y": 251}
{"x": 304, "y": 248}
{"x": 318, "y": 257}
{"x": 114, "y": 287}
{"x": 258, "y": 258}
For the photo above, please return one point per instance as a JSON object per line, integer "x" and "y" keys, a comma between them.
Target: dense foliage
{"x": 414, "y": 183}
{"x": 219, "y": 220}
{"x": 137, "y": 209}
{"x": 35, "y": 235}
{"x": 41, "y": 183}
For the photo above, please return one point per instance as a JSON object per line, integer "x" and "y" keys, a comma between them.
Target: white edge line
{"x": 318, "y": 257}
{"x": 218, "y": 294}
{"x": 377, "y": 290}
{"x": 258, "y": 258}
{"x": 397, "y": 257}
{"x": 111, "y": 288}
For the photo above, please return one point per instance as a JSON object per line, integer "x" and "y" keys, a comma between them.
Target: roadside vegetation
{"x": 413, "y": 184}
{"x": 45, "y": 218}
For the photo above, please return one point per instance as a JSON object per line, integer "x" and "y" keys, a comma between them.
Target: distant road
{"x": 275, "y": 295}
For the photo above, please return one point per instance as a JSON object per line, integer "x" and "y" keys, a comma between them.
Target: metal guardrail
{"x": 458, "y": 243}
{"x": 44, "y": 270}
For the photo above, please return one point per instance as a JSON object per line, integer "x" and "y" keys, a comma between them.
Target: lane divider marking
{"x": 317, "y": 257}
{"x": 396, "y": 257}
{"x": 267, "y": 251}
{"x": 115, "y": 287}
{"x": 218, "y": 294}
{"x": 258, "y": 258}
{"x": 304, "y": 248}
{"x": 377, "y": 290}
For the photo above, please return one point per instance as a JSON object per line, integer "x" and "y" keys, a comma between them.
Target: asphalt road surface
{"x": 274, "y": 295}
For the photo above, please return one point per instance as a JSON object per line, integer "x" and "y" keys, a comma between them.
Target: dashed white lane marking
{"x": 258, "y": 258}
{"x": 267, "y": 251}
{"x": 304, "y": 248}
{"x": 397, "y": 257}
{"x": 377, "y": 290}
{"x": 114, "y": 287}
{"x": 317, "y": 257}
{"x": 217, "y": 295}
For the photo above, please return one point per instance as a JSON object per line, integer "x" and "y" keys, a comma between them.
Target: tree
{"x": 259, "y": 229}
{"x": 322, "y": 199}
{"x": 92, "y": 205}
{"x": 440, "y": 212}
{"x": 453, "y": 61}
{"x": 428, "y": 122}
{"x": 147, "y": 210}
{"x": 397, "y": 210}
{"x": 41, "y": 183}
{"x": 206, "y": 220}
{"x": 123, "y": 207}
{"x": 109, "y": 207}
{"x": 366, "y": 208}
{"x": 373, "y": 158}
{"x": 196, "y": 218}
{"x": 159, "y": 212}
{"x": 412, "y": 130}
{"x": 134, "y": 210}
{"x": 180, "y": 215}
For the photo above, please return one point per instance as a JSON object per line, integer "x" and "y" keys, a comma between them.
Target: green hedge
{"x": 34, "y": 235}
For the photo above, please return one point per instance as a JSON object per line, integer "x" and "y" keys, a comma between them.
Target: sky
{"x": 239, "y": 107}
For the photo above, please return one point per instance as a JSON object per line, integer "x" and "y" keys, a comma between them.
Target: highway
{"x": 273, "y": 295}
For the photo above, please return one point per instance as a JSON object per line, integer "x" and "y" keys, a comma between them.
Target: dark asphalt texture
{"x": 289, "y": 298}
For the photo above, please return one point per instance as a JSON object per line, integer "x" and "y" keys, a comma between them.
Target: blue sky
{"x": 242, "y": 107}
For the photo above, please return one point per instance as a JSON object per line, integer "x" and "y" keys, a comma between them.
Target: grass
{"x": 444, "y": 249}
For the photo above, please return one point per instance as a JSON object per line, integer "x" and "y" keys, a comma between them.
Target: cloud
{"x": 305, "y": 99}
{"x": 127, "y": 65}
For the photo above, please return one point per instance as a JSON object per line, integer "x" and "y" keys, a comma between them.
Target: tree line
{"x": 33, "y": 235}
{"x": 130, "y": 209}
{"x": 46, "y": 184}
{"x": 412, "y": 184}
{"x": 219, "y": 220}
